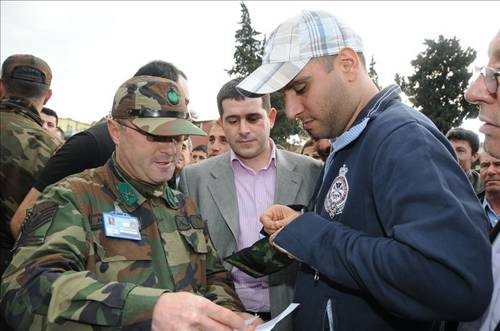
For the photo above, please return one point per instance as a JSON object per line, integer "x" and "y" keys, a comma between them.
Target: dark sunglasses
{"x": 177, "y": 140}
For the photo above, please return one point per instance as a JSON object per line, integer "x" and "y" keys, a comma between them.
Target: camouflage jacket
{"x": 25, "y": 148}
{"x": 66, "y": 274}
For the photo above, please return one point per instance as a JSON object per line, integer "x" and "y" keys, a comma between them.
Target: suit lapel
{"x": 287, "y": 181}
{"x": 221, "y": 186}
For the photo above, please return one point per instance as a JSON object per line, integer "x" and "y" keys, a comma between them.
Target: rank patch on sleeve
{"x": 32, "y": 232}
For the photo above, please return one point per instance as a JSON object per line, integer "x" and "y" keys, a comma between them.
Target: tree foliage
{"x": 248, "y": 50}
{"x": 248, "y": 57}
{"x": 373, "y": 73}
{"x": 437, "y": 86}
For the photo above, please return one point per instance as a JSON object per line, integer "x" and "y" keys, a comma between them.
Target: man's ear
{"x": 114, "y": 130}
{"x": 475, "y": 157}
{"x": 1, "y": 89}
{"x": 349, "y": 63}
{"x": 47, "y": 96}
{"x": 272, "y": 116}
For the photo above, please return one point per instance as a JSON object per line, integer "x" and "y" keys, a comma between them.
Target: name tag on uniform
{"x": 121, "y": 225}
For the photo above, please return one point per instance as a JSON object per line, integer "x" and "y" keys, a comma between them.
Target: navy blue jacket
{"x": 404, "y": 247}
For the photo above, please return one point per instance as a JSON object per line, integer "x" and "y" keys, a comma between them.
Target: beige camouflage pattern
{"x": 25, "y": 148}
{"x": 66, "y": 274}
{"x": 154, "y": 94}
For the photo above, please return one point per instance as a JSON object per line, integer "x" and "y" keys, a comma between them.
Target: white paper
{"x": 269, "y": 325}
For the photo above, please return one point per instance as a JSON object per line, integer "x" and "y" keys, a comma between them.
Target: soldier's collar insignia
{"x": 170, "y": 197}
{"x": 127, "y": 193}
{"x": 172, "y": 96}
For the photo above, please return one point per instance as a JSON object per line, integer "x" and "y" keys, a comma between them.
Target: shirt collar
{"x": 376, "y": 104}
{"x": 487, "y": 207}
{"x": 272, "y": 158}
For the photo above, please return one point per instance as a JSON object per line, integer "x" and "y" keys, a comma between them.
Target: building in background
{"x": 71, "y": 126}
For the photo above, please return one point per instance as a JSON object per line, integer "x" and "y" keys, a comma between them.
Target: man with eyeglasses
{"x": 114, "y": 246}
{"x": 484, "y": 91}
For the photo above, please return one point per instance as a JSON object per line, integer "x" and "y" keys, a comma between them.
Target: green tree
{"x": 437, "y": 86}
{"x": 373, "y": 73}
{"x": 248, "y": 57}
{"x": 248, "y": 51}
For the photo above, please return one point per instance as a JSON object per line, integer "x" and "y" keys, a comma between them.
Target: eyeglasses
{"x": 490, "y": 78}
{"x": 177, "y": 140}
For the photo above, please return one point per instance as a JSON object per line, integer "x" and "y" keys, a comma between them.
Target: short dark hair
{"x": 159, "y": 68}
{"x": 327, "y": 61}
{"x": 24, "y": 89}
{"x": 200, "y": 148}
{"x": 49, "y": 112}
{"x": 229, "y": 91}
{"x": 462, "y": 134}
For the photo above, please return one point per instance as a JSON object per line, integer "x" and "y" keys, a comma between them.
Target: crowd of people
{"x": 380, "y": 221}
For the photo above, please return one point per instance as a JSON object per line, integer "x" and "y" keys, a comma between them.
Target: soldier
{"x": 25, "y": 146}
{"x": 75, "y": 268}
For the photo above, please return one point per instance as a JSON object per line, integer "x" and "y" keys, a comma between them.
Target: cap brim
{"x": 270, "y": 77}
{"x": 161, "y": 126}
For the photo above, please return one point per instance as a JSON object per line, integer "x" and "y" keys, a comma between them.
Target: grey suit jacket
{"x": 210, "y": 184}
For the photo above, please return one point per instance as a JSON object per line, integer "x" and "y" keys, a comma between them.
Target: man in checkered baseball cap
{"x": 293, "y": 43}
{"x": 371, "y": 241}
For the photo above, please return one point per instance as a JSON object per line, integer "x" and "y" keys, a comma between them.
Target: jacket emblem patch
{"x": 337, "y": 195}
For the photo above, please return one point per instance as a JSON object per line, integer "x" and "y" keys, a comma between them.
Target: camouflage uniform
{"x": 67, "y": 274}
{"x": 25, "y": 148}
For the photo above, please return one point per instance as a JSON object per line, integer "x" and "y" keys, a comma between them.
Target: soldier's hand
{"x": 276, "y": 217}
{"x": 184, "y": 311}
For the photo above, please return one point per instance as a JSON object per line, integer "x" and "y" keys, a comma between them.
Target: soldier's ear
{"x": 47, "y": 96}
{"x": 114, "y": 130}
{"x": 1, "y": 89}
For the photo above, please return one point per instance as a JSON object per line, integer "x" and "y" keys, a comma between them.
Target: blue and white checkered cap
{"x": 292, "y": 44}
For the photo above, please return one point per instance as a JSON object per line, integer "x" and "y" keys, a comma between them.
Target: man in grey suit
{"x": 234, "y": 188}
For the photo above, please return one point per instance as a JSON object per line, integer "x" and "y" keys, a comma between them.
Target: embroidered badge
{"x": 337, "y": 195}
{"x": 126, "y": 193}
{"x": 172, "y": 96}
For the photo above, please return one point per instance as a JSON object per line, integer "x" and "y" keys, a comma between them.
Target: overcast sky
{"x": 93, "y": 47}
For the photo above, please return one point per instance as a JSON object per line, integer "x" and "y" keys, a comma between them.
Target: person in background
{"x": 485, "y": 92}
{"x": 323, "y": 146}
{"x": 114, "y": 246}
{"x": 489, "y": 170}
{"x": 199, "y": 154}
{"x": 49, "y": 119}
{"x": 217, "y": 142}
{"x": 50, "y": 122}
{"x": 376, "y": 250}
{"x": 309, "y": 149}
{"x": 183, "y": 160}
{"x": 60, "y": 133}
{"x": 88, "y": 149}
{"x": 25, "y": 145}
{"x": 232, "y": 189}
{"x": 466, "y": 146}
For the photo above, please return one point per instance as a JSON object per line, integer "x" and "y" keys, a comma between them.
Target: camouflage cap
{"x": 27, "y": 67}
{"x": 155, "y": 105}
